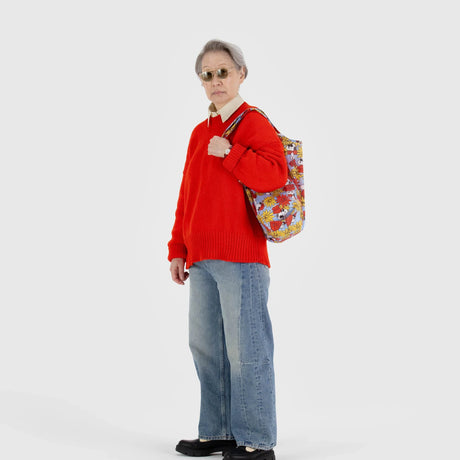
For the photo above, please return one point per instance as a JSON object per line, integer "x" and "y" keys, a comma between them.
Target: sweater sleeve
{"x": 257, "y": 156}
{"x": 176, "y": 245}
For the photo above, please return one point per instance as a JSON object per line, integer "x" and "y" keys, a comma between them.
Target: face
{"x": 221, "y": 91}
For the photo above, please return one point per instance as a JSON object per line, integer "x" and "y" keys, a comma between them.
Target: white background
{"x": 97, "y": 102}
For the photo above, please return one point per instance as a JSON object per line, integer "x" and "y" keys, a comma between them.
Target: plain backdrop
{"x": 97, "y": 103}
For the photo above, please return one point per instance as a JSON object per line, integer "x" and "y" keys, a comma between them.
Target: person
{"x": 217, "y": 238}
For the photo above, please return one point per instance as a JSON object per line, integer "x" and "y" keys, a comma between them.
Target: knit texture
{"x": 213, "y": 217}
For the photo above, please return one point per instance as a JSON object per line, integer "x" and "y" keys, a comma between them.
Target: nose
{"x": 215, "y": 80}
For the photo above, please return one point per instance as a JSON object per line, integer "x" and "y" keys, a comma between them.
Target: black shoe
{"x": 196, "y": 448}
{"x": 240, "y": 453}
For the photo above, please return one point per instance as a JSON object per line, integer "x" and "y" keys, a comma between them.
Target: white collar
{"x": 227, "y": 110}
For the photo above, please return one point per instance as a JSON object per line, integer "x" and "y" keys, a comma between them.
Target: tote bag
{"x": 281, "y": 212}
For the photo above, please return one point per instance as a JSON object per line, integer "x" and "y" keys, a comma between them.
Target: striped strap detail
{"x": 237, "y": 120}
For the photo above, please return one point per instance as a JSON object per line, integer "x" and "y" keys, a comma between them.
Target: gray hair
{"x": 232, "y": 50}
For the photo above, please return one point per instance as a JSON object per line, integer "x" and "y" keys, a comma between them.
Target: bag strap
{"x": 237, "y": 120}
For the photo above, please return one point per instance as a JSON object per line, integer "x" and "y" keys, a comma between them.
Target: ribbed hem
{"x": 177, "y": 250}
{"x": 232, "y": 247}
{"x": 233, "y": 157}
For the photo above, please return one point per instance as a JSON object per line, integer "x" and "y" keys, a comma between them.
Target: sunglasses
{"x": 209, "y": 75}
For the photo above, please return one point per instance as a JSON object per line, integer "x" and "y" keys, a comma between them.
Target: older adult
{"x": 217, "y": 237}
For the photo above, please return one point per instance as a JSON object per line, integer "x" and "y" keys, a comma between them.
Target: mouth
{"x": 217, "y": 93}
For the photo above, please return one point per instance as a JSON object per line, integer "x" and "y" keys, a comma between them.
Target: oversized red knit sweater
{"x": 213, "y": 217}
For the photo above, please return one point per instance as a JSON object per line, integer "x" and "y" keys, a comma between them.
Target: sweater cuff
{"x": 233, "y": 157}
{"x": 177, "y": 250}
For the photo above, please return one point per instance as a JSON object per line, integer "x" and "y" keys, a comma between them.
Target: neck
{"x": 219, "y": 106}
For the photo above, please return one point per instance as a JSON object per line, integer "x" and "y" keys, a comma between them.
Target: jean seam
{"x": 258, "y": 313}
{"x": 222, "y": 378}
{"x": 242, "y": 390}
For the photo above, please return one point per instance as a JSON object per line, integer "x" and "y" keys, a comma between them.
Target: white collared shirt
{"x": 227, "y": 110}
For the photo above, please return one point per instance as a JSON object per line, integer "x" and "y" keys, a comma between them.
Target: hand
{"x": 217, "y": 146}
{"x": 176, "y": 268}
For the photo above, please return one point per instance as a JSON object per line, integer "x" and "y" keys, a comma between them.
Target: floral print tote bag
{"x": 281, "y": 213}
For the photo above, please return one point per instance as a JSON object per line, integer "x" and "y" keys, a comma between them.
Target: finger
{"x": 181, "y": 272}
{"x": 216, "y": 140}
{"x": 175, "y": 275}
{"x": 178, "y": 281}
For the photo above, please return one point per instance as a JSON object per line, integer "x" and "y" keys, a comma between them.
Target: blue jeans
{"x": 231, "y": 340}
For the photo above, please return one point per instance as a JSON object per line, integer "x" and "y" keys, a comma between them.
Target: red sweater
{"x": 213, "y": 217}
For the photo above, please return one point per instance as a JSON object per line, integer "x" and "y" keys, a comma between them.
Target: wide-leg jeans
{"x": 231, "y": 340}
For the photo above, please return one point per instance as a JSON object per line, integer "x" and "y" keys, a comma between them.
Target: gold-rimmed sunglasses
{"x": 208, "y": 75}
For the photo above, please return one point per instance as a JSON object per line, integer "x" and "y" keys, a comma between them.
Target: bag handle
{"x": 237, "y": 120}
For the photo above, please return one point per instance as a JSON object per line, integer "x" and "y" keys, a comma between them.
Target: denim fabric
{"x": 231, "y": 340}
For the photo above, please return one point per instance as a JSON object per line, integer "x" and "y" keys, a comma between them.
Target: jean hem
{"x": 217, "y": 438}
{"x": 257, "y": 446}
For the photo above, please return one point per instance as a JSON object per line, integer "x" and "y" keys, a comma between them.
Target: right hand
{"x": 178, "y": 274}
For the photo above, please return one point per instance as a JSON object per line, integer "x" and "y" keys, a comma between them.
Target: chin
{"x": 222, "y": 100}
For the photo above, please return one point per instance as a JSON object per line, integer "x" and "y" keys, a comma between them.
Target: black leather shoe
{"x": 196, "y": 448}
{"x": 240, "y": 453}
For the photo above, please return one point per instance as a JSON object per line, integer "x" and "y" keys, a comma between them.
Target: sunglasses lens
{"x": 206, "y": 76}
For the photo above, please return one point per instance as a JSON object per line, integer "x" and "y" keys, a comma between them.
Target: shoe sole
{"x": 269, "y": 456}
{"x": 202, "y": 453}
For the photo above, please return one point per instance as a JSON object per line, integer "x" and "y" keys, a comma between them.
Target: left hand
{"x": 217, "y": 146}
